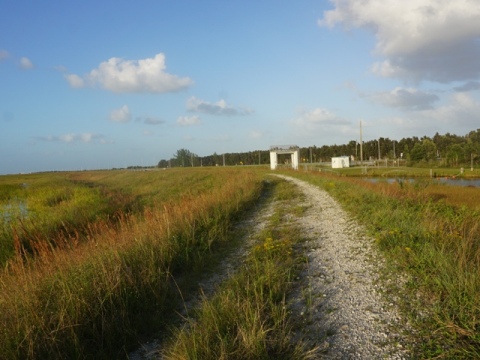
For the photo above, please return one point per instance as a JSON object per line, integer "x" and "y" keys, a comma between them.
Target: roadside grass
{"x": 105, "y": 287}
{"x": 247, "y": 318}
{"x": 432, "y": 233}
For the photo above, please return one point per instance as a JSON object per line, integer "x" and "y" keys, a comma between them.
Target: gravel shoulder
{"x": 338, "y": 298}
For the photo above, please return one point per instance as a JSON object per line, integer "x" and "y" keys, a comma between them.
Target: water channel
{"x": 439, "y": 180}
{"x": 13, "y": 210}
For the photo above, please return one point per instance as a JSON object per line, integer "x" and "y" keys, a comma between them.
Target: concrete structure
{"x": 340, "y": 162}
{"x": 293, "y": 150}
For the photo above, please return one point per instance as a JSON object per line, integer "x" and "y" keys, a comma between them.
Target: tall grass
{"x": 46, "y": 208}
{"x": 95, "y": 296}
{"x": 247, "y": 318}
{"x": 432, "y": 233}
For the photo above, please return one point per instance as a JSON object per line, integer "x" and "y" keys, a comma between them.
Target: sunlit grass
{"x": 247, "y": 317}
{"x": 432, "y": 233}
{"x": 97, "y": 290}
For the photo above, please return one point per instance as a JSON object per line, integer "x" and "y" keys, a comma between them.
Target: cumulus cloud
{"x": 219, "y": 108}
{"x": 319, "y": 122}
{"x": 121, "y": 115}
{"x": 132, "y": 76}
{"x": 26, "y": 63}
{"x": 74, "y": 81}
{"x": 461, "y": 112}
{"x": 72, "y": 138}
{"x": 436, "y": 40}
{"x": 188, "y": 120}
{"x": 468, "y": 86}
{"x": 406, "y": 98}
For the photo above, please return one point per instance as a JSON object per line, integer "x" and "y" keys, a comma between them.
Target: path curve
{"x": 338, "y": 296}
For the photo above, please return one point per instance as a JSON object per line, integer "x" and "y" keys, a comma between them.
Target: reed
{"x": 114, "y": 281}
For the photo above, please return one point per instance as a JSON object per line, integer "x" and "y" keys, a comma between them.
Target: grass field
{"x": 92, "y": 261}
{"x": 430, "y": 232}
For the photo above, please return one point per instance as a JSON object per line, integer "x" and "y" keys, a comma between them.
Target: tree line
{"x": 447, "y": 150}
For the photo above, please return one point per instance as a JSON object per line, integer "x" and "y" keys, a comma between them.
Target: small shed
{"x": 340, "y": 162}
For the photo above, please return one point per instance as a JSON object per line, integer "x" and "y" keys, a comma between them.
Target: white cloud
{"x": 133, "y": 76}
{"x": 72, "y": 138}
{"x": 435, "y": 40}
{"x": 219, "y": 108}
{"x": 121, "y": 115}
{"x": 458, "y": 115}
{"x": 320, "y": 116}
{"x": 26, "y": 63}
{"x": 461, "y": 112}
{"x": 317, "y": 123}
{"x": 188, "y": 120}
{"x": 406, "y": 98}
{"x": 75, "y": 81}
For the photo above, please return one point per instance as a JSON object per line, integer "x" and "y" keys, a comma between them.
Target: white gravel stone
{"x": 351, "y": 316}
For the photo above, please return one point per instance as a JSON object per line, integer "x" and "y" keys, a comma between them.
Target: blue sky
{"x": 102, "y": 84}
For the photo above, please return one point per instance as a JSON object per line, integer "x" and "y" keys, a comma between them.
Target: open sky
{"x": 113, "y": 83}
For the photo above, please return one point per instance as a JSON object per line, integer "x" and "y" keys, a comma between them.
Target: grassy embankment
{"x": 432, "y": 233}
{"x": 247, "y": 318}
{"x": 93, "y": 257}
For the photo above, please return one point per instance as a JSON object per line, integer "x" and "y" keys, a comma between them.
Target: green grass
{"x": 436, "y": 241}
{"x": 247, "y": 317}
{"x": 101, "y": 289}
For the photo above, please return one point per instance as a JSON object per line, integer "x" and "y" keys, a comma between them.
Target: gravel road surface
{"x": 336, "y": 303}
{"x": 338, "y": 298}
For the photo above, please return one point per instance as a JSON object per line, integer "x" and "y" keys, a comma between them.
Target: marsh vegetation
{"x": 91, "y": 261}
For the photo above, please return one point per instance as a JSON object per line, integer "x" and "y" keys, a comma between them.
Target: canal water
{"x": 446, "y": 181}
{"x": 13, "y": 210}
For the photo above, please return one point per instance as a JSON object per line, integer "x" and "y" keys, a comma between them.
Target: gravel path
{"x": 336, "y": 302}
{"x": 338, "y": 297}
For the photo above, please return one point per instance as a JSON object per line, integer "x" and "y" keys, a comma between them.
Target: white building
{"x": 340, "y": 162}
{"x": 293, "y": 150}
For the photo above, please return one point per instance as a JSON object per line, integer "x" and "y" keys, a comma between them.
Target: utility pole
{"x": 223, "y": 159}
{"x": 379, "y": 155}
{"x": 361, "y": 145}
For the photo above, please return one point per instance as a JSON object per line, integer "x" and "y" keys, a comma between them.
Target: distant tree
{"x": 184, "y": 157}
{"x": 162, "y": 163}
{"x": 430, "y": 149}
{"x": 452, "y": 150}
